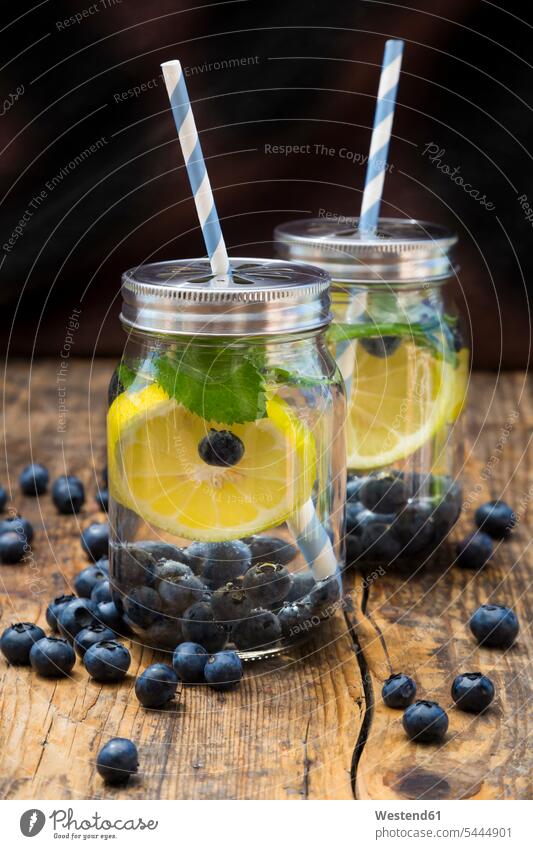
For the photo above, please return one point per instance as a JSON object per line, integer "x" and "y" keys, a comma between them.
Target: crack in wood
{"x": 368, "y": 694}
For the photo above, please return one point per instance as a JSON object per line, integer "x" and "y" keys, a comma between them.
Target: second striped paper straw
{"x": 195, "y": 164}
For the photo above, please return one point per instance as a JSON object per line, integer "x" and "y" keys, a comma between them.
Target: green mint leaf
{"x": 219, "y": 384}
{"x": 126, "y": 375}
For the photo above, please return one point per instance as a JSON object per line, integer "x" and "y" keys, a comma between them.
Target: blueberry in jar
{"x": 95, "y": 540}
{"x": 302, "y": 584}
{"x": 199, "y": 626}
{"x": 266, "y": 549}
{"x": 76, "y": 615}
{"x": 171, "y": 570}
{"x": 117, "y": 760}
{"x": 18, "y": 525}
{"x": 425, "y": 722}
{"x": 53, "y": 609}
{"x": 380, "y": 346}
{"x": 398, "y": 691}
{"x": 496, "y": 519}
{"x": 378, "y": 542}
{"x": 156, "y": 686}
{"x": 383, "y": 494}
{"x": 226, "y": 561}
{"x": 87, "y": 637}
{"x": 324, "y": 595}
{"x": 495, "y": 626}
{"x": 223, "y": 670}
{"x": 261, "y": 629}
{"x": 188, "y": 661}
{"x": 177, "y": 594}
{"x": 474, "y": 551}
{"x": 34, "y": 479}
{"x": 107, "y": 660}
{"x": 221, "y": 448}
{"x": 68, "y": 494}
{"x": 295, "y": 618}
{"x": 353, "y": 485}
{"x": 267, "y": 583}
{"x": 142, "y": 606}
{"x": 86, "y": 580}
{"x": 230, "y": 603}
{"x": 414, "y": 527}
{"x": 52, "y": 657}
{"x": 17, "y": 641}
{"x": 472, "y": 692}
{"x": 13, "y": 548}
{"x": 356, "y": 516}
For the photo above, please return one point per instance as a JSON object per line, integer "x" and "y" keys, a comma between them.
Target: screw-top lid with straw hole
{"x": 399, "y": 251}
{"x": 258, "y": 297}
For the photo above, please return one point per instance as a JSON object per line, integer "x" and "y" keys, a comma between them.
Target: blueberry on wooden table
{"x": 495, "y": 626}
{"x": 18, "y": 525}
{"x": 86, "y": 580}
{"x": 398, "y": 691}
{"x": 76, "y": 615}
{"x": 117, "y": 760}
{"x": 101, "y": 592}
{"x": 156, "y": 686}
{"x": 496, "y": 518}
{"x": 68, "y": 494}
{"x": 95, "y": 540}
{"x": 425, "y": 722}
{"x": 188, "y": 661}
{"x": 108, "y": 614}
{"x": 87, "y": 637}
{"x": 3, "y": 498}
{"x": 472, "y": 692}
{"x": 13, "y": 548}
{"x": 102, "y": 499}
{"x": 223, "y": 670}
{"x": 54, "y": 607}
{"x": 474, "y": 551}
{"x": 17, "y": 641}
{"x": 107, "y": 660}
{"x": 33, "y": 479}
{"x": 52, "y": 657}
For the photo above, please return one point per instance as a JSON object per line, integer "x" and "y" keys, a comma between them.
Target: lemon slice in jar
{"x": 396, "y": 405}
{"x": 155, "y": 468}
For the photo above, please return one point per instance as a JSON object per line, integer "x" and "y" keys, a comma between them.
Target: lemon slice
{"x": 155, "y": 468}
{"x": 461, "y": 383}
{"x": 396, "y": 404}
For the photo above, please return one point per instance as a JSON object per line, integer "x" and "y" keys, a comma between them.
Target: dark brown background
{"x": 465, "y": 86}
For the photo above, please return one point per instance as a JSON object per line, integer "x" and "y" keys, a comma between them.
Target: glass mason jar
{"x": 226, "y": 456}
{"x": 405, "y": 362}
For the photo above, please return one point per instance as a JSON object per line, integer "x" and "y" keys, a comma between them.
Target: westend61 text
{"x": 407, "y": 815}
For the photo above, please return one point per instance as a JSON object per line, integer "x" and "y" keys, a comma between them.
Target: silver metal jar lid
{"x": 400, "y": 251}
{"x": 260, "y": 297}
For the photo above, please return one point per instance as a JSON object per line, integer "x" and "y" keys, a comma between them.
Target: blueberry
{"x": 223, "y": 670}
{"x": 414, "y": 527}
{"x": 188, "y": 661}
{"x": 177, "y": 594}
{"x": 474, "y": 551}
{"x": 95, "y": 540}
{"x": 165, "y": 633}
{"x": 353, "y": 485}
{"x": 225, "y": 562}
{"x": 74, "y": 616}
{"x": 302, "y": 584}
{"x": 398, "y": 691}
{"x": 355, "y": 515}
{"x": 378, "y": 542}
{"x": 109, "y": 614}
{"x": 135, "y": 563}
{"x": 17, "y": 641}
{"x": 3, "y": 498}
{"x": 230, "y": 603}
{"x": 295, "y": 617}
{"x": 107, "y": 660}
{"x": 102, "y": 499}
{"x": 324, "y": 595}
{"x": 380, "y": 346}
{"x": 13, "y": 548}
{"x": 101, "y": 592}
{"x": 52, "y": 657}
{"x": 86, "y": 580}
{"x": 383, "y": 494}
{"x": 425, "y": 722}
{"x": 496, "y": 518}
{"x": 199, "y": 626}
{"x": 266, "y": 584}
{"x": 87, "y": 637}
{"x": 259, "y": 630}
{"x": 68, "y": 494}
{"x": 494, "y": 625}
{"x": 34, "y": 479}
{"x": 171, "y": 570}
{"x": 221, "y": 448}
{"x": 117, "y": 760}
{"x": 472, "y": 692}
{"x": 142, "y": 606}
{"x": 156, "y": 686}
{"x": 196, "y": 556}
{"x": 18, "y": 525}
{"x": 270, "y": 550}
{"x": 53, "y": 609}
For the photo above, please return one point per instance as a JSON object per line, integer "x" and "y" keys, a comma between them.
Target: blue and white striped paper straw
{"x": 313, "y": 541}
{"x": 379, "y": 145}
{"x": 195, "y": 164}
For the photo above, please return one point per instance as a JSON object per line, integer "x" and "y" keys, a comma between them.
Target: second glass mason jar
{"x": 226, "y": 456}
{"x": 405, "y": 361}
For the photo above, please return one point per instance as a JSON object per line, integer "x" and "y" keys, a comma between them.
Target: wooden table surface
{"x": 308, "y": 727}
